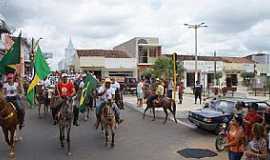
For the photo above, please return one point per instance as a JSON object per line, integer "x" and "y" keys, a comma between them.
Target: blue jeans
{"x": 235, "y": 155}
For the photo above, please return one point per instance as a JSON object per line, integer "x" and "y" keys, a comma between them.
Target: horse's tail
{"x": 174, "y": 107}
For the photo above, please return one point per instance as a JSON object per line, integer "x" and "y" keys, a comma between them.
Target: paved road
{"x": 136, "y": 139}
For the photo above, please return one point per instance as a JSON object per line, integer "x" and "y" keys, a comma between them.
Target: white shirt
{"x": 115, "y": 86}
{"x": 107, "y": 95}
{"x": 11, "y": 90}
{"x": 81, "y": 85}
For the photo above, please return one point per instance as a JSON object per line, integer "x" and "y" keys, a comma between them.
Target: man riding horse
{"x": 11, "y": 92}
{"x": 105, "y": 92}
{"x": 65, "y": 89}
{"x": 159, "y": 92}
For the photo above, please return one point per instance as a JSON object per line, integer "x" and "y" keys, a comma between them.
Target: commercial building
{"x": 230, "y": 68}
{"x": 103, "y": 63}
{"x": 145, "y": 50}
{"x": 262, "y": 63}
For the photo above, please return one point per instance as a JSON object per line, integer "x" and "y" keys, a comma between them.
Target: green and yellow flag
{"x": 12, "y": 57}
{"x": 41, "y": 71}
{"x": 90, "y": 84}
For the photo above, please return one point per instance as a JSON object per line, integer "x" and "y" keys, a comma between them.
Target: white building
{"x": 105, "y": 63}
{"x": 262, "y": 63}
{"x": 145, "y": 50}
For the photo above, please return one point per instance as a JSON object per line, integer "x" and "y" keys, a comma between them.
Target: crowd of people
{"x": 160, "y": 88}
{"x": 52, "y": 95}
{"x": 248, "y": 133}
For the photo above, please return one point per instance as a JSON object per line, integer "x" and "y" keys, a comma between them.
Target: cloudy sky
{"x": 236, "y": 27}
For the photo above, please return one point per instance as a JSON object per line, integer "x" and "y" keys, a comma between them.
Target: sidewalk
{"x": 181, "y": 109}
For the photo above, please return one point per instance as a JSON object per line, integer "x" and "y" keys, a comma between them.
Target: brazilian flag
{"x": 41, "y": 71}
{"x": 12, "y": 57}
{"x": 90, "y": 83}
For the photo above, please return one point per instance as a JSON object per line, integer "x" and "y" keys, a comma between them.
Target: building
{"x": 67, "y": 63}
{"x": 103, "y": 63}
{"x": 145, "y": 50}
{"x": 262, "y": 63}
{"x": 230, "y": 68}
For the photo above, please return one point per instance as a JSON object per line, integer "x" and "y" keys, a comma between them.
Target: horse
{"x": 164, "y": 102}
{"x": 42, "y": 96}
{"x": 91, "y": 102}
{"x": 108, "y": 123}
{"x": 8, "y": 121}
{"x": 65, "y": 117}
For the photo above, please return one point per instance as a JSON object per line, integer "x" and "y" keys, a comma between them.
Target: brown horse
{"x": 41, "y": 99}
{"x": 8, "y": 122}
{"x": 108, "y": 122}
{"x": 164, "y": 102}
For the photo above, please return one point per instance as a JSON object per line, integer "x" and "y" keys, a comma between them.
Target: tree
{"x": 147, "y": 73}
{"x": 163, "y": 68}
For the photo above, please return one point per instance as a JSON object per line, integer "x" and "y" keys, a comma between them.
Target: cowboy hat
{"x": 108, "y": 80}
{"x": 157, "y": 79}
{"x": 64, "y": 75}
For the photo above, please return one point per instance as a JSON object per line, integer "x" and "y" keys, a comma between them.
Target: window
{"x": 224, "y": 106}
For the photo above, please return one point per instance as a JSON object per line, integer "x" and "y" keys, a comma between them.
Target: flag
{"x": 12, "y": 57}
{"x": 90, "y": 84}
{"x": 41, "y": 71}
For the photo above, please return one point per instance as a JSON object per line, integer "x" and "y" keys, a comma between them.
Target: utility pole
{"x": 195, "y": 27}
{"x": 215, "y": 68}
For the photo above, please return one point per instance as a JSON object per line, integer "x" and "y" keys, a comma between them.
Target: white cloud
{"x": 235, "y": 27}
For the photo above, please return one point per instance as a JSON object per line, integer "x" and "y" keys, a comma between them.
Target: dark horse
{"x": 164, "y": 102}
{"x": 42, "y": 97}
{"x": 9, "y": 121}
{"x": 65, "y": 117}
{"x": 108, "y": 122}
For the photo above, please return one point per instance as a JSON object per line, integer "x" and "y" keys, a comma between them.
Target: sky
{"x": 235, "y": 27}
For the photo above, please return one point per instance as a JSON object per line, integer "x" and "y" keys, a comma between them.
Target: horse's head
{"x": 67, "y": 107}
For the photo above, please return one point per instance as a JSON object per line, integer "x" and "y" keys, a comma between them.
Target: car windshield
{"x": 223, "y": 106}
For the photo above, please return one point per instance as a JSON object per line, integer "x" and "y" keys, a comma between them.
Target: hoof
{"x": 153, "y": 119}
{"x": 11, "y": 155}
{"x": 62, "y": 145}
{"x": 69, "y": 154}
{"x": 112, "y": 145}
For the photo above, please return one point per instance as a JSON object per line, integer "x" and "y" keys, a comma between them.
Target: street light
{"x": 195, "y": 27}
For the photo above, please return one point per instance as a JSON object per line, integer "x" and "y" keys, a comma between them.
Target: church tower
{"x": 70, "y": 52}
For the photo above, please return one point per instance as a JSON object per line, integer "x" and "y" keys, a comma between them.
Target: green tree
{"x": 163, "y": 68}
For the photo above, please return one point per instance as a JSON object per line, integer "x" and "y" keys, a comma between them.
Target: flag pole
{"x": 174, "y": 75}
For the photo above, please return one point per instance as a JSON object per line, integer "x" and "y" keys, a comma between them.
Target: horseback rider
{"x": 11, "y": 92}
{"x": 158, "y": 93}
{"x": 105, "y": 92}
{"x": 65, "y": 89}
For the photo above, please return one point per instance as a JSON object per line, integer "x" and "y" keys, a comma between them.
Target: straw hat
{"x": 108, "y": 80}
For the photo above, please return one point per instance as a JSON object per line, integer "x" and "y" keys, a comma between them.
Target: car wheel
{"x": 220, "y": 142}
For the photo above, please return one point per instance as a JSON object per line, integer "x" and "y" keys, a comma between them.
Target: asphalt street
{"x": 136, "y": 139}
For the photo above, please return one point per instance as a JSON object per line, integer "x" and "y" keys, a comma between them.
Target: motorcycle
{"x": 221, "y": 138}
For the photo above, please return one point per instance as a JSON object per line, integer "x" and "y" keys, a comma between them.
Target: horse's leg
{"x": 173, "y": 110}
{"x": 113, "y": 134}
{"x": 61, "y": 136}
{"x": 5, "y": 131}
{"x": 145, "y": 110}
{"x": 106, "y": 135}
{"x": 154, "y": 113}
{"x": 39, "y": 108}
{"x": 68, "y": 139}
{"x": 166, "y": 118}
{"x": 12, "y": 142}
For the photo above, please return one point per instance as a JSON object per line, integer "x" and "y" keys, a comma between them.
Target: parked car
{"x": 220, "y": 111}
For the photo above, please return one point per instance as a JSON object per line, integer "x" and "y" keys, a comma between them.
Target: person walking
{"x": 140, "y": 95}
{"x": 181, "y": 89}
{"x": 257, "y": 147}
{"x": 198, "y": 92}
{"x": 236, "y": 139}
{"x": 170, "y": 88}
